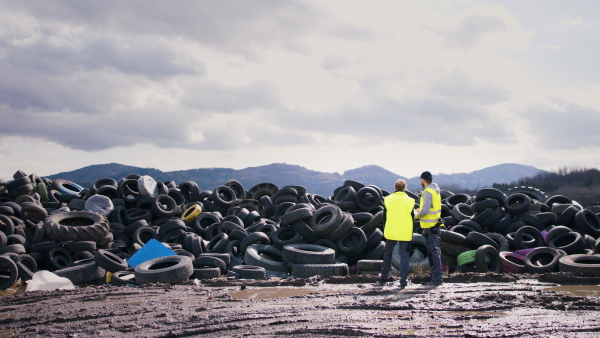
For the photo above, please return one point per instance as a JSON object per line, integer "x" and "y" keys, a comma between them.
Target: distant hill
{"x": 502, "y": 173}
{"x": 374, "y": 175}
{"x": 282, "y": 174}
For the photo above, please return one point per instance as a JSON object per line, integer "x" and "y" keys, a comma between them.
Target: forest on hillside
{"x": 579, "y": 184}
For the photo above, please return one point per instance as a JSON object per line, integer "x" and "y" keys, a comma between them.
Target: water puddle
{"x": 577, "y": 290}
{"x": 269, "y": 293}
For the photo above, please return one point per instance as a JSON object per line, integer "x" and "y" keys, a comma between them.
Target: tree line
{"x": 578, "y": 183}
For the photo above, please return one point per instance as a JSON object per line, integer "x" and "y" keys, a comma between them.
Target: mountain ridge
{"x": 317, "y": 182}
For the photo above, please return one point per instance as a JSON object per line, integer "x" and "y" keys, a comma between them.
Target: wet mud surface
{"x": 478, "y": 306}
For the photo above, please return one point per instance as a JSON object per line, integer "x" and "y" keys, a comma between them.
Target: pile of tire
{"x": 518, "y": 231}
{"x": 82, "y": 233}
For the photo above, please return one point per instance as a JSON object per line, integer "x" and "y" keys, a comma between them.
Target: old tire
{"x": 542, "y": 260}
{"x": 109, "y": 261}
{"x": 76, "y": 226}
{"x": 266, "y": 256}
{"x": 167, "y": 270}
{"x": 301, "y": 253}
{"x": 8, "y": 271}
{"x": 250, "y": 271}
{"x": 581, "y": 264}
{"x": 82, "y": 273}
{"x": 324, "y": 270}
{"x": 487, "y": 259}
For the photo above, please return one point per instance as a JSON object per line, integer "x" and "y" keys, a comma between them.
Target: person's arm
{"x": 426, "y": 205}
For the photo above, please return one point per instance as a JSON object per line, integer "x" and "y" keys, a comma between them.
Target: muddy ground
{"x": 471, "y": 305}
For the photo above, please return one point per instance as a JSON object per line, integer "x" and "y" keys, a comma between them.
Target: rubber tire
{"x": 487, "y": 193}
{"x": 58, "y": 258}
{"x": 353, "y": 243}
{"x": 218, "y": 243}
{"x": 535, "y": 233}
{"x": 210, "y": 262}
{"x": 305, "y": 231}
{"x": 453, "y": 250}
{"x": 580, "y": 264}
{"x": 255, "y": 255}
{"x": 375, "y": 222}
{"x": 167, "y": 270}
{"x": 484, "y": 204}
{"x": 573, "y": 247}
{"x": 80, "y": 246}
{"x": 343, "y": 228}
{"x": 462, "y": 211}
{"x": 588, "y": 222}
{"x": 374, "y": 238}
{"x": 109, "y": 261}
{"x": 500, "y": 240}
{"x": 58, "y": 226}
{"x": 326, "y": 219}
{"x": 284, "y": 236}
{"x": 254, "y": 238}
{"x": 369, "y": 265}
{"x": 324, "y": 270}
{"x": 206, "y": 273}
{"x": 531, "y": 192}
{"x": 225, "y": 257}
{"x": 557, "y": 230}
{"x": 9, "y": 270}
{"x": 532, "y": 260}
{"x": 508, "y": 265}
{"x": 308, "y": 254}
{"x": 250, "y": 272}
{"x": 82, "y": 273}
{"x": 123, "y": 278}
{"x": 476, "y": 240}
{"x": 223, "y": 196}
{"x": 484, "y": 252}
{"x": 467, "y": 257}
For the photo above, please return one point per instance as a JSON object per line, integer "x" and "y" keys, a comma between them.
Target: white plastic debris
{"x": 45, "y": 280}
{"x": 147, "y": 186}
{"x": 99, "y": 204}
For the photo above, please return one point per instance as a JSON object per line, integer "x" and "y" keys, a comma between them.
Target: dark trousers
{"x": 403, "y": 248}
{"x": 433, "y": 247}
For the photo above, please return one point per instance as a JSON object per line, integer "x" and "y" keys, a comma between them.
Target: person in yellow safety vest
{"x": 429, "y": 215}
{"x": 398, "y": 223}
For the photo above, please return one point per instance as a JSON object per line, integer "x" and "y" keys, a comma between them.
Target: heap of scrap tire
{"x": 83, "y": 233}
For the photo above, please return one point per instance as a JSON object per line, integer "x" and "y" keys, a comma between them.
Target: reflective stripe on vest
{"x": 435, "y": 210}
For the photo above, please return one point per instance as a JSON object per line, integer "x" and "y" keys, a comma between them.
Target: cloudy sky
{"x": 445, "y": 86}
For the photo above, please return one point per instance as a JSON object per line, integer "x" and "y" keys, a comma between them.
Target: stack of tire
{"x": 519, "y": 231}
{"x": 81, "y": 233}
{"x": 49, "y": 224}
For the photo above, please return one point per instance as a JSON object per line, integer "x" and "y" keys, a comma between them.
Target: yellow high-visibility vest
{"x": 399, "y": 221}
{"x": 435, "y": 211}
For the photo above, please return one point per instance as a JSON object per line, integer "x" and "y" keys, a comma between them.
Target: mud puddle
{"x": 577, "y": 290}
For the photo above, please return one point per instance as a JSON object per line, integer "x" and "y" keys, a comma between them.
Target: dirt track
{"x": 307, "y": 308}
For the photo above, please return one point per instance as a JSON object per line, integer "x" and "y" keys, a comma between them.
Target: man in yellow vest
{"x": 398, "y": 231}
{"x": 429, "y": 214}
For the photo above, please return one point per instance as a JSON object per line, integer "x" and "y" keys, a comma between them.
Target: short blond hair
{"x": 400, "y": 185}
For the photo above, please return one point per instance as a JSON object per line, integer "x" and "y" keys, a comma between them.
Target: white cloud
{"x": 303, "y": 82}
